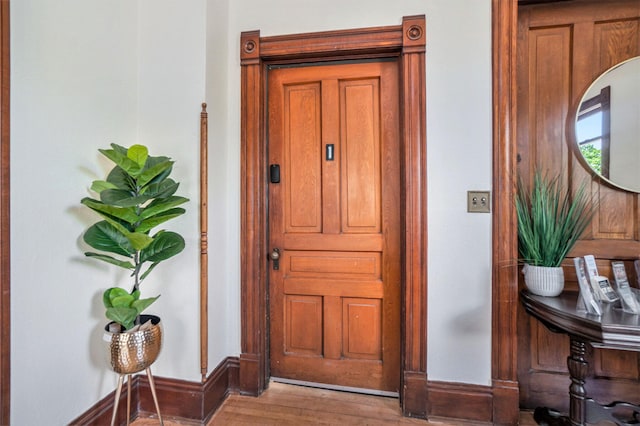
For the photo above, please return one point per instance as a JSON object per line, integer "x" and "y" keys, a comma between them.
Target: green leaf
{"x": 111, "y": 260}
{"x": 161, "y": 189}
{"x": 124, "y": 301}
{"x": 139, "y": 240}
{"x": 165, "y": 245}
{"x": 120, "y": 226}
{"x": 100, "y": 185}
{"x": 105, "y": 237}
{"x": 153, "y": 161}
{"x": 550, "y": 219}
{"x": 593, "y": 156}
{"x": 119, "y": 149}
{"x": 112, "y": 293}
{"x": 157, "y": 219}
{"x": 149, "y": 174}
{"x": 162, "y": 178}
{"x": 162, "y": 205}
{"x": 127, "y": 214}
{"x": 117, "y": 156}
{"x": 120, "y": 179}
{"x": 122, "y": 198}
{"x": 151, "y": 268}
{"x": 138, "y": 153}
{"x": 123, "y": 316}
{"x": 142, "y": 304}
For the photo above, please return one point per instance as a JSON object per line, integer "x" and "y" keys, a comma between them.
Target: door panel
{"x": 303, "y": 202}
{"x": 334, "y": 217}
{"x": 360, "y": 156}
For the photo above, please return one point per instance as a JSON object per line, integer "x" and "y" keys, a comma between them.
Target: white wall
{"x": 86, "y": 73}
{"x": 89, "y": 72}
{"x": 458, "y": 150}
{"x": 224, "y": 187}
{"x": 459, "y": 158}
{"x": 171, "y": 89}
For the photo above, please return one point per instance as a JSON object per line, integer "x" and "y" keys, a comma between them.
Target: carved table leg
{"x": 578, "y": 371}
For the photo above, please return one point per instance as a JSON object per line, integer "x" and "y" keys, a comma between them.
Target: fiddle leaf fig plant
{"x": 136, "y": 196}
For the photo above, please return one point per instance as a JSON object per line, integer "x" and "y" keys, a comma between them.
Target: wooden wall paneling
{"x": 615, "y": 364}
{"x": 545, "y": 93}
{"x": 590, "y": 37}
{"x": 183, "y": 401}
{"x": 547, "y": 389}
{"x": 504, "y": 235}
{"x": 445, "y": 400}
{"x": 614, "y": 41}
{"x": 615, "y": 215}
{"x": 548, "y": 350}
{"x": 5, "y": 252}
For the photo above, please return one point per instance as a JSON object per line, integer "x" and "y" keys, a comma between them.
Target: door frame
{"x": 504, "y": 233}
{"x": 406, "y": 43}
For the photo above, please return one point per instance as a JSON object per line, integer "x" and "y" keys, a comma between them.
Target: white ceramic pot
{"x": 544, "y": 280}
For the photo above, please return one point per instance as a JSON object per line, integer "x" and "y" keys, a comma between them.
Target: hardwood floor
{"x": 284, "y": 404}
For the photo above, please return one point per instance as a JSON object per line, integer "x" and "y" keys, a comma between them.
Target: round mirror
{"x": 607, "y": 129}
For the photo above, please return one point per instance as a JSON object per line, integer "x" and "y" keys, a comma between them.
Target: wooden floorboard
{"x": 284, "y": 404}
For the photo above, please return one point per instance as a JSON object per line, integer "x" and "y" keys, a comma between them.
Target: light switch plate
{"x": 479, "y": 201}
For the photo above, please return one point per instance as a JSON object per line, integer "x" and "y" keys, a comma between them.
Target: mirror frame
{"x": 572, "y": 137}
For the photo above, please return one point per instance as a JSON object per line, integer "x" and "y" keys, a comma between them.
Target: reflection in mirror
{"x": 608, "y": 125}
{"x": 593, "y": 130}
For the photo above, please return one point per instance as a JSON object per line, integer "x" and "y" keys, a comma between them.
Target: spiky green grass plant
{"x": 550, "y": 219}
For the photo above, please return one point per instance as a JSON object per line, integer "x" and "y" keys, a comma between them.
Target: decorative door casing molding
{"x": 406, "y": 43}
{"x": 379, "y": 42}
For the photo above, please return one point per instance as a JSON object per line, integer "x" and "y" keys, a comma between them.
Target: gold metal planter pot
{"x": 132, "y": 352}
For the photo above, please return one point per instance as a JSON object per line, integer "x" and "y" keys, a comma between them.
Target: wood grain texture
{"x": 445, "y": 400}
{"x": 562, "y": 48}
{"x": 292, "y": 405}
{"x": 253, "y": 220}
{"x": 406, "y": 42}
{"x": 504, "y": 297}
{"x": 414, "y": 395}
{"x": 188, "y": 402}
{"x": 334, "y": 314}
{"x": 204, "y": 235}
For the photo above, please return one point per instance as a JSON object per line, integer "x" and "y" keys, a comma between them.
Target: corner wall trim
{"x": 504, "y": 299}
{"x": 191, "y": 402}
{"x": 446, "y": 400}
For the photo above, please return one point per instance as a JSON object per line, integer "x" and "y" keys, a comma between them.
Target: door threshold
{"x": 336, "y": 387}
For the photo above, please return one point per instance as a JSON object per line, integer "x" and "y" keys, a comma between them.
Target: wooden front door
{"x": 334, "y": 222}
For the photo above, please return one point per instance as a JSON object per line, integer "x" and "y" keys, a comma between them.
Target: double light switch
{"x": 479, "y": 201}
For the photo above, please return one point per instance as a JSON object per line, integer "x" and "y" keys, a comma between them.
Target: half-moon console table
{"x": 613, "y": 330}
